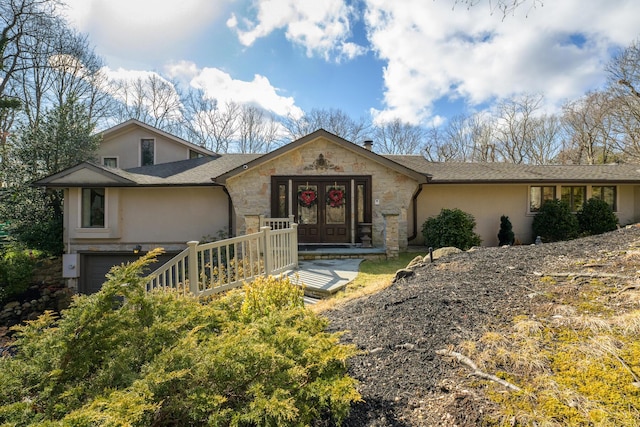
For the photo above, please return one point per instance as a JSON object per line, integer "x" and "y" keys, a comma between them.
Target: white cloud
{"x": 145, "y": 27}
{"x": 219, "y": 85}
{"x": 321, "y": 27}
{"x": 434, "y": 53}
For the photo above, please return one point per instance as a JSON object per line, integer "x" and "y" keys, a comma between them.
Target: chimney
{"x": 368, "y": 144}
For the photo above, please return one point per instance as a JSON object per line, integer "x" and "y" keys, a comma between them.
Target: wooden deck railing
{"x": 209, "y": 268}
{"x": 276, "y": 223}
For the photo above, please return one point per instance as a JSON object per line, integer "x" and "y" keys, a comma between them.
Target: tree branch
{"x": 477, "y": 372}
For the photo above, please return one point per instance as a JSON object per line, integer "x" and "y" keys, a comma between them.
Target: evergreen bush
{"x": 596, "y": 217}
{"x": 16, "y": 271}
{"x": 452, "y": 227}
{"x": 555, "y": 222}
{"x": 126, "y": 357}
{"x": 505, "y": 234}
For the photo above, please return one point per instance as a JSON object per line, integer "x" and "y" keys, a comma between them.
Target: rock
{"x": 11, "y": 305}
{"x": 442, "y": 252}
{"x": 415, "y": 262}
{"x": 403, "y": 273}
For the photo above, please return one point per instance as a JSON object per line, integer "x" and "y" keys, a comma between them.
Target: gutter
{"x": 229, "y": 212}
{"x": 414, "y": 201}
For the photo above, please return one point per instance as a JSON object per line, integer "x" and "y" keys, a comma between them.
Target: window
{"x": 194, "y": 154}
{"x": 147, "y": 152}
{"x": 111, "y": 162}
{"x": 574, "y": 196}
{"x": 93, "y": 204}
{"x": 538, "y": 195}
{"x": 606, "y": 193}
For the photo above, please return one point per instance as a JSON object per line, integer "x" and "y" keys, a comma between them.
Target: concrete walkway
{"x": 323, "y": 277}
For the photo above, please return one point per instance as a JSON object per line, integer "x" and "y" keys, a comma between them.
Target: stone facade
{"x": 391, "y": 190}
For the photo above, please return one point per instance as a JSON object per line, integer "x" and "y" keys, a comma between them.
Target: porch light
{"x": 137, "y": 249}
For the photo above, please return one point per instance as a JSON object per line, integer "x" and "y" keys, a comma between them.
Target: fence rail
{"x": 209, "y": 268}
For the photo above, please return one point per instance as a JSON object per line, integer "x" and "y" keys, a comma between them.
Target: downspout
{"x": 230, "y": 211}
{"x": 414, "y": 201}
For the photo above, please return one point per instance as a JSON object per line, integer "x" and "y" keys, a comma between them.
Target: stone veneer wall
{"x": 251, "y": 190}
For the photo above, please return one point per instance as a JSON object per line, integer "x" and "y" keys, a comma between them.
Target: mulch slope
{"x": 460, "y": 297}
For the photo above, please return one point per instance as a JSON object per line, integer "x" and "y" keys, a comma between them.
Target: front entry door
{"x": 323, "y": 210}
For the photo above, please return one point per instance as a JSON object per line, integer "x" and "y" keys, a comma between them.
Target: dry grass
{"x": 373, "y": 276}
{"x": 578, "y": 362}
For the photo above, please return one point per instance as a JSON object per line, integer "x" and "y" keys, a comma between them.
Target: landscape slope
{"x": 459, "y": 298}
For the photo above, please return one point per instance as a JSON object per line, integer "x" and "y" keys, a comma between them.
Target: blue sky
{"x": 418, "y": 60}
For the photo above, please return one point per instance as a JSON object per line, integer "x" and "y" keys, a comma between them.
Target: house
{"x": 152, "y": 189}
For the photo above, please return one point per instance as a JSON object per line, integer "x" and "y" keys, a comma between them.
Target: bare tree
{"x": 335, "y": 121}
{"x": 397, "y": 137}
{"x": 589, "y": 126}
{"x": 22, "y": 22}
{"x": 463, "y": 138}
{"x": 151, "y": 99}
{"x": 624, "y": 84}
{"x": 545, "y": 141}
{"x": 256, "y": 133}
{"x": 515, "y": 126}
{"x": 209, "y": 124}
{"x": 504, "y": 7}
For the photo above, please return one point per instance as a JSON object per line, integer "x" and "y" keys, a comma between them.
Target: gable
{"x": 123, "y": 142}
{"x": 84, "y": 175}
{"x": 323, "y": 153}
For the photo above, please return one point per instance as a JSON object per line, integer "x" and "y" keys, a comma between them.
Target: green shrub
{"x": 126, "y": 357}
{"x": 505, "y": 234}
{"x": 452, "y": 227}
{"x": 597, "y": 217}
{"x": 16, "y": 270}
{"x": 555, "y": 222}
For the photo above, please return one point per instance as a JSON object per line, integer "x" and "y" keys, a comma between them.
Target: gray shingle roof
{"x": 455, "y": 172}
{"x": 185, "y": 172}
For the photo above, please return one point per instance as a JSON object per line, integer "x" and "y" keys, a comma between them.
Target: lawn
{"x": 373, "y": 276}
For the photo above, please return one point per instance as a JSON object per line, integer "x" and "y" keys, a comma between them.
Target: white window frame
{"x": 117, "y": 159}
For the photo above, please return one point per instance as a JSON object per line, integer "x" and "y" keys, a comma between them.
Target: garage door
{"x": 94, "y": 267}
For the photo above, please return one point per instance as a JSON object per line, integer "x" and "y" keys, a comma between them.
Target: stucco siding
{"x": 628, "y": 211}
{"x": 126, "y": 146}
{"x": 165, "y": 217}
{"x": 485, "y": 202}
{"x": 174, "y": 215}
{"x": 488, "y": 202}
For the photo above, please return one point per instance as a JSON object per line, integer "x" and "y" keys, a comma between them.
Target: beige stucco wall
{"x": 126, "y": 146}
{"x": 488, "y": 202}
{"x": 151, "y": 217}
{"x": 251, "y": 190}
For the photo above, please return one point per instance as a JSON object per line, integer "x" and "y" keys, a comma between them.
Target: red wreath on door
{"x": 335, "y": 197}
{"x": 307, "y": 198}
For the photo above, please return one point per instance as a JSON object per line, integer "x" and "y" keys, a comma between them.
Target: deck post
{"x": 193, "y": 267}
{"x": 268, "y": 258}
{"x": 294, "y": 242}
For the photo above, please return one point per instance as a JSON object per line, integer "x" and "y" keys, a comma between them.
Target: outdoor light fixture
{"x": 137, "y": 249}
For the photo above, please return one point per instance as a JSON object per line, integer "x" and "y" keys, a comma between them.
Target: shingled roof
{"x": 478, "y": 173}
{"x": 192, "y": 172}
